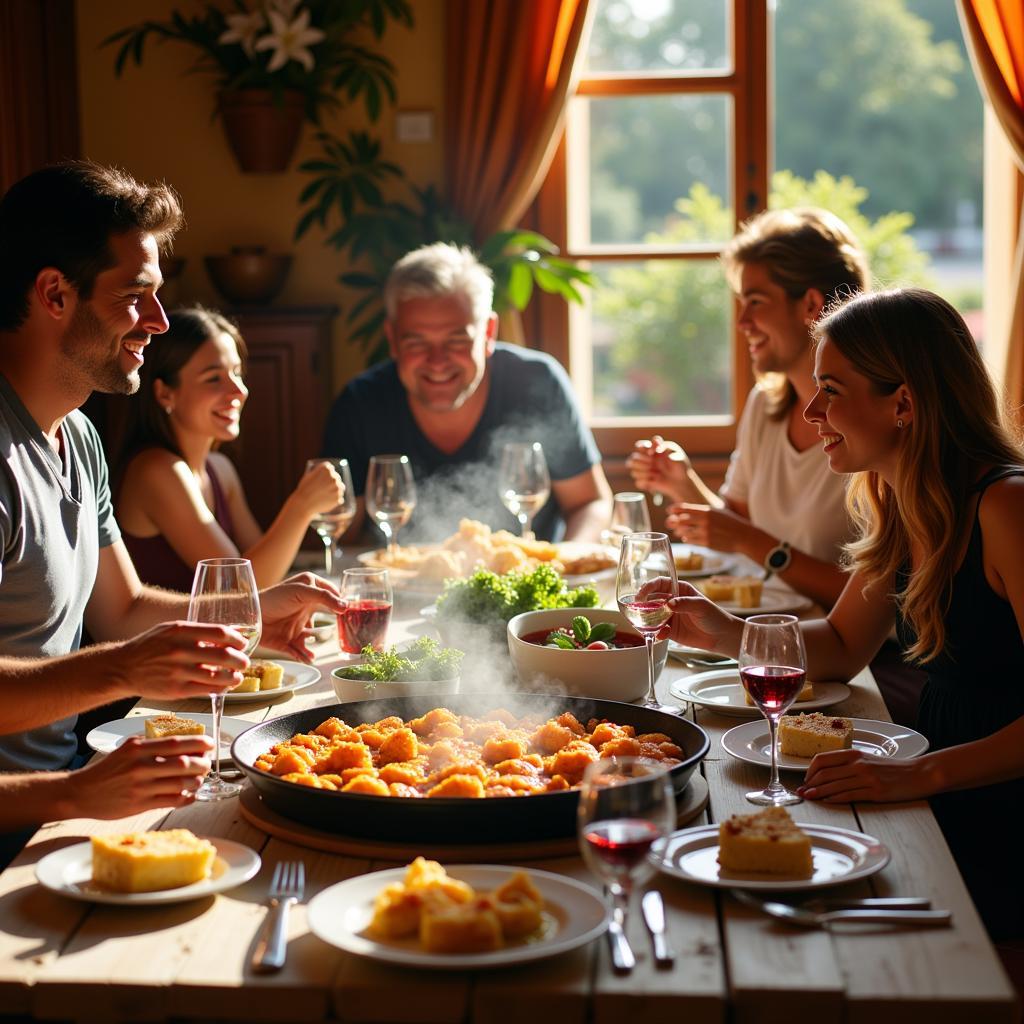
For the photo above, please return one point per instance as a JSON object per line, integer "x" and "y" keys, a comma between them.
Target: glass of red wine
{"x": 626, "y": 813}
{"x": 644, "y": 584}
{"x": 367, "y": 614}
{"x": 773, "y": 667}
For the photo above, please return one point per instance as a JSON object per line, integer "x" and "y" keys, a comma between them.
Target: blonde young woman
{"x": 904, "y": 403}
{"x": 785, "y": 266}
{"x": 177, "y": 499}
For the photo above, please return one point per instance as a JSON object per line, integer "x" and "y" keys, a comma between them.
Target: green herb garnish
{"x": 583, "y": 633}
{"x": 423, "y": 659}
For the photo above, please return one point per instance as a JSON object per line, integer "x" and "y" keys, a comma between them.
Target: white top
{"x": 791, "y": 495}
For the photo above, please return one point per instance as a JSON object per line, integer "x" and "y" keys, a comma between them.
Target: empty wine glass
{"x": 390, "y": 494}
{"x": 330, "y": 525}
{"x": 524, "y": 483}
{"x": 644, "y": 584}
{"x": 629, "y": 515}
{"x": 773, "y": 668}
{"x": 224, "y": 592}
{"x": 625, "y": 815}
{"x": 367, "y": 615}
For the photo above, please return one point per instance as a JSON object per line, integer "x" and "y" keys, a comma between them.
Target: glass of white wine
{"x": 523, "y": 482}
{"x": 629, "y": 515}
{"x": 224, "y": 592}
{"x": 330, "y": 525}
{"x": 390, "y": 494}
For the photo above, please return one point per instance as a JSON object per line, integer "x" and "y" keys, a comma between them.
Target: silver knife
{"x": 654, "y": 917}
{"x": 621, "y": 951}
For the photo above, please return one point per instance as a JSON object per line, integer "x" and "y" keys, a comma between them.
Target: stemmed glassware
{"x": 629, "y": 515}
{"x": 390, "y": 494}
{"x": 773, "y": 668}
{"x": 367, "y": 615}
{"x": 331, "y": 524}
{"x": 524, "y": 483}
{"x": 644, "y": 584}
{"x": 625, "y": 814}
{"x": 224, "y": 592}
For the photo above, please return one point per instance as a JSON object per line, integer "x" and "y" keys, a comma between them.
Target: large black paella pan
{"x": 446, "y": 819}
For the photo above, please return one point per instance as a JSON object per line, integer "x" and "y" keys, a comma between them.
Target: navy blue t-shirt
{"x": 530, "y": 399}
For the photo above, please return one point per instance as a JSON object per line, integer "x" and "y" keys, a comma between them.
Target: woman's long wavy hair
{"x": 801, "y": 248}
{"x": 915, "y": 338}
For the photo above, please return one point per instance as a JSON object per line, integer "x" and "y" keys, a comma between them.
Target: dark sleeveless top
{"x": 975, "y": 687}
{"x": 158, "y": 563}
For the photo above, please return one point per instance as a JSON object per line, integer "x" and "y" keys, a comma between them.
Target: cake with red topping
{"x": 768, "y": 843}
{"x": 805, "y": 735}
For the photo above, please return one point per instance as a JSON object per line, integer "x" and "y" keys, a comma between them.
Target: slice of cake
{"x": 807, "y": 693}
{"x": 171, "y": 725}
{"x": 718, "y": 588}
{"x": 150, "y": 861}
{"x": 689, "y": 561}
{"x": 268, "y": 676}
{"x": 805, "y": 735}
{"x": 766, "y": 843}
{"x": 742, "y": 590}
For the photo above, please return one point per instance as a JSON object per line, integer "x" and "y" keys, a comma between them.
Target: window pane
{"x": 637, "y": 157}
{"x": 659, "y": 337}
{"x": 659, "y": 35}
{"x": 894, "y": 78}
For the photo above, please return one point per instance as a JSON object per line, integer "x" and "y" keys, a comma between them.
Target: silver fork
{"x": 286, "y": 887}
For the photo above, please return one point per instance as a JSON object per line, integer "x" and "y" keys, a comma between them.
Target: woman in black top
{"x": 905, "y": 404}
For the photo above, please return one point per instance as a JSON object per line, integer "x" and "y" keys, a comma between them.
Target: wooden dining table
{"x": 62, "y": 959}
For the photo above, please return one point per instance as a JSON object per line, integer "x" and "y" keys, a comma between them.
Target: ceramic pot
{"x": 262, "y": 132}
{"x": 248, "y": 274}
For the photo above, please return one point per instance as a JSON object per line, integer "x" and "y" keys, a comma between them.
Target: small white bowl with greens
{"x": 420, "y": 667}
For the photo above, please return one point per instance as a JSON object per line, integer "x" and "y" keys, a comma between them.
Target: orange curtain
{"x": 512, "y": 64}
{"x": 994, "y": 30}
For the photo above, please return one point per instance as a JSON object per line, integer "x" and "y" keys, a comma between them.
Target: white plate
{"x": 109, "y": 736}
{"x": 69, "y": 872}
{"x": 296, "y": 676}
{"x": 840, "y": 856}
{"x": 771, "y": 601}
{"x": 574, "y": 915}
{"x": 715, "y": 562}
{"x": 749, "y": 743}
{"x": 722, "y": 691}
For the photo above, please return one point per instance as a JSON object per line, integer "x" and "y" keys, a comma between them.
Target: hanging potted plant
{"x": 278, "y": 63}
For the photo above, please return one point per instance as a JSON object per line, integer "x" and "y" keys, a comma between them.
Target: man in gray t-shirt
{"x": 79, "y": 273}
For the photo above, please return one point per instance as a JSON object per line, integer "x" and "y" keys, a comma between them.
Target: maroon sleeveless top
{"x": 158, "y": 563}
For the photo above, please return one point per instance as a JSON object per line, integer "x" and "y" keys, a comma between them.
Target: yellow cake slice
{"x": 171, "y": 725}
{"x": 805, "y": 735}
{"x": 689, "y": 561}
{"x": 268, "y": 676}
{"x": 150, "y": 861}
{"x": 742, "y": 590}
{"x": 768, "y": 842}
{"x": 807, "y": 693}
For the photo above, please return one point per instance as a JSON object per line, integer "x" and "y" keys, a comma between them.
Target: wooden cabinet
{"x": 289, "y": 381}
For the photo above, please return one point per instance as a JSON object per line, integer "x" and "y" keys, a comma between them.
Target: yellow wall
{"x": 156, "y": 122}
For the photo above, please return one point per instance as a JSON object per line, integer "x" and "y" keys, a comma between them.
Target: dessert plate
{"x": 296, "y": 676}
{"x": 749, "y": 743}
{"x": 840, "y": 856}
{"x": 771, "y": 601}
{"x": 109, "y": 736}
{"x": 722, "y": 691}
{"x": 69, "y": 872}
{"x": 574, "y": 914}
{"x": 714, "y": 561}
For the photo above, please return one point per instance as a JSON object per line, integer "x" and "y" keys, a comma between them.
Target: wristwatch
{"x": 778, "y": 559}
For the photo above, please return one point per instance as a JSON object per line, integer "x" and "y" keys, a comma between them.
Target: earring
{"x": 170, "y": 408}
{"x": 899, "y": 423}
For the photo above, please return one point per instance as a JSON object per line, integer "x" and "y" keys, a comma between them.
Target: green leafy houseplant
{"x": 303, "y": 46}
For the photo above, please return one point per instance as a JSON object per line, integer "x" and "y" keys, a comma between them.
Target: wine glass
{"x": 644, "y": 584}
{"x": 625, "y": 815}
{"x": 524, "y": 483}
{"x": 629, "y": 515}
{"x": 390, "y": 494}
{"x": 773, "y": 667}
{"x": 334, "y": 522}
{"x": 367, "y": 615}
{"x": 224, "y": 592}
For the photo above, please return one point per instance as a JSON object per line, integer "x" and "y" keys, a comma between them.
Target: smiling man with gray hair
{"x": 452, "y": 395}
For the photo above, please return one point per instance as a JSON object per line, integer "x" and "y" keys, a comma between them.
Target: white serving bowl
{"x": 356, "y": 689}
{"x": 607, "y": 675}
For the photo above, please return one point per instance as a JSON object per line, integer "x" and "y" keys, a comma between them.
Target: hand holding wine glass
{"x": 332, "y": 523}
{"x": 524, "y": 483}
{"x": 644, "y": 585}
{"x": 773, "y": 669}
{"x": 629, "y": 515}
{"x": 390, "y": 494}
{"x": 224, "y": 592}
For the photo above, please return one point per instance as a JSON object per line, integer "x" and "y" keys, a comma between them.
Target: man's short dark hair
{"x": 63, "y": 216}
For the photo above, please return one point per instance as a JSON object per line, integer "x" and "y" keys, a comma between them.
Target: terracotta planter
{"x": 262, "y": 134}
